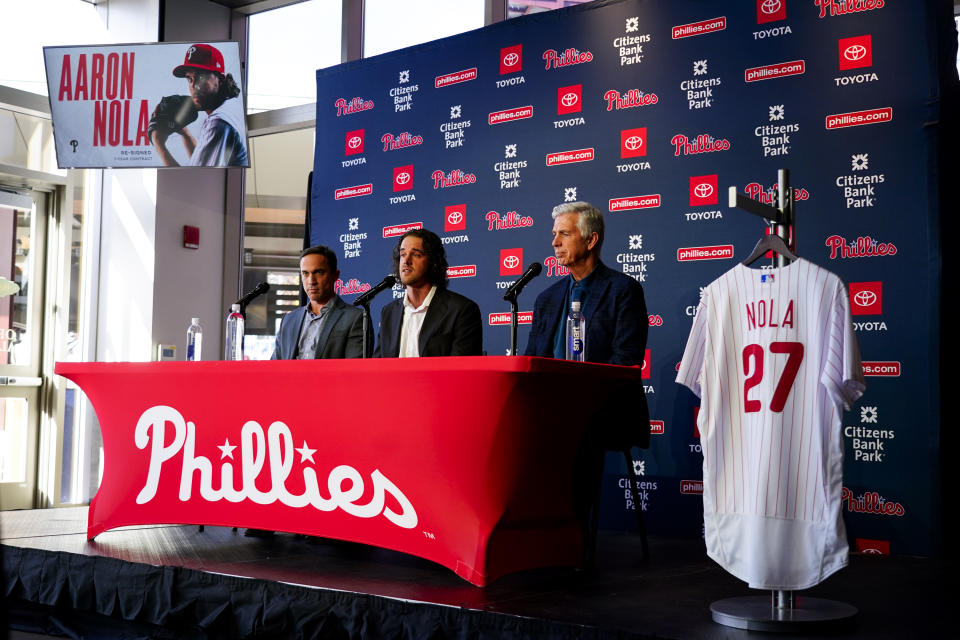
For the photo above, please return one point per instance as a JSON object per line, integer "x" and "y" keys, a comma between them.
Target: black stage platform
{"x": 179, "y": 582}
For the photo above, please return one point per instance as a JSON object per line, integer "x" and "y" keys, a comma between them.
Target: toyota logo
{"x": 770, "y": 7}
{"x": 455, "y": 217}
{"x": 633, "y": 143}
{"x": 873, "y": 551}
{"x": 510, "y": 59}
{"x": 403, "y": 178}
{"x": 354, "y": 142}
{"x": 864, "y": 298}
{"x": 511, "y": 262}
{"x": 855, "y": 52}
{"x": 569, "y": 99}
{"x": 703, "y": 190}
{"x": 643, "y": 365}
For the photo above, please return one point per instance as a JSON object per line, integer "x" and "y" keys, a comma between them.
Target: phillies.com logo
{"x": 511, "y": 59}
{"x": 633, "y": 142}
{"x": 403, "y": 178}
{"x": 855, "y": 52}
{"x": 771, "y": 10}
{"x": 703, "y": 190}
{"x": 511, "y": 262}
{"x": 569, "y": 99}
{"x": 866, "y": 298}
{"x": 455, "y": 217}
{"x": 354, "y": 142}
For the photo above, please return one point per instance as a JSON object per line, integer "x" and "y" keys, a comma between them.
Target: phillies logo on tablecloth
{"x": 771, "y": 10}
{"x": 866, "y": 298}
{"x": 511, "y": 59}
{"x": 403, "y": 178}
{"x": 455, "y": 217}
{"x": 511, "y": 262}
{"x": 633, "y": 142}
{"x": 855, "y": 52}
{"x": 275, "y": 450}
{"x": 569, "y": 99}
{"x": 703, "y": 190}
{"x": 841, "y": 7}
{"x": 355, "y": 105}
{"x": 354, "y": 142}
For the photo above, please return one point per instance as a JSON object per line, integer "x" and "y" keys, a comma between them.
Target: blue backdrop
{"x": 650, "y": 110}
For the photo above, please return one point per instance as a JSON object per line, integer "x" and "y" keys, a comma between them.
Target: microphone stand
{"x": 366, "y": 328}
{"x": 513, "y": 324}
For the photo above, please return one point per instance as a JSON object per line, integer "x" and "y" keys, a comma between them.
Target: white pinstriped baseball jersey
{"x": 774, "y": 359}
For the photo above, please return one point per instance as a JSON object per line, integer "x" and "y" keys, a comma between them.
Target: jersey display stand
{"x": 782, "y": 611}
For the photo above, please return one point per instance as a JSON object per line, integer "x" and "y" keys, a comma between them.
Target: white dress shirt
{"x": 412, "y": 323}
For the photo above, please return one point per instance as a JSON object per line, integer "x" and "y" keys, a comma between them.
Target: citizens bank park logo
{"x": 456, "y": 77}
{"x": 841, "y": 7}
{"x": 699, "y": 28}
{"x": 569, "y": 99}
{"x": 511, "y": 262}
{"x": 566, "y": 157}
{"x": 511, "y": 59}
{"x": 353, "y": 192}
{"x": 462, "y": 271}
{"x": 403, "y": 178}
{"x": 703, "y": 190}
{"x": 523, "y": 317}
{"x": 633, "y": 142}
{"x": 656, "y": 428}
{"x": 857, "y": 118}
{"x": 866, "y": 298}
{"x": 509, "y": 115}
{"x": 354, "y": 142}
{"x": 691, "y": 487}
{"x": 777, "y": 70}
{"x": 455, "y": 217}
{"x": 771, "y": 11}
{"x": 355, "y": 105}
{"x": 877, "y": 369}
{"x": 872, "y": 547}
{"x": 400, "y": 229}
{"x": 855, "y": 52}
{"x": 631, "y": 203}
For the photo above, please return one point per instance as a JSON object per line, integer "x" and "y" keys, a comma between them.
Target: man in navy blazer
{"x": 429, "y": 320}
{"x": 326, "y": 327}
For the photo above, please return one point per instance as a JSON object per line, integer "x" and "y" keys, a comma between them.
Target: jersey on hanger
{"x": 774, "y": 359}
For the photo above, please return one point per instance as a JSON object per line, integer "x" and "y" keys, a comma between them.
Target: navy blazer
{"x": 452, "y": 327}
{"x": 341, "y": 337}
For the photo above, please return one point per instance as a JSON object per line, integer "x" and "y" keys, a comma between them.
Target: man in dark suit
{"x": 326, "y": 327}
{"x": 429, "y": 320}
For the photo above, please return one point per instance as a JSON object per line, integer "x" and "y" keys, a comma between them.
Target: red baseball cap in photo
{"x": 202, "y": 57}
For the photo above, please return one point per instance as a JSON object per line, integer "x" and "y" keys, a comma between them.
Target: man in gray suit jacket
{"x": 326, "y": 327}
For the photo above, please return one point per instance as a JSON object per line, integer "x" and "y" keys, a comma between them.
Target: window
{"x": 390, "y": 25}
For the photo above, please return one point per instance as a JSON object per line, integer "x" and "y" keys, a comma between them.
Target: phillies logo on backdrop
{"x": 511, "y": 262}
{"x": 455, "y": 217}
{"x": 633, "y": 142}
{"x": 353, "y": 142}
{"x": 355, "y": 105}
{"x": 703, "y": 190}
{"x": 771, "y": 10}
{"x": 569, "y": 99}
{"x": 855, "y": 52}
{"x": 403, "y": 178}
{"x": 511, "y": 59}
{"x": 866, "y": 298}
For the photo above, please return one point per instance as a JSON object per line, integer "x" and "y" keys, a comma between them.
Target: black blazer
{"x": 341, "y": 337}
{"x": 452, "y": 327}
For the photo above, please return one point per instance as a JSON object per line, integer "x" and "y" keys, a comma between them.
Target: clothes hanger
{"x": 771, "y": 242}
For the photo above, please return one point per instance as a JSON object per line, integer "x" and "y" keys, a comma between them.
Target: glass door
{"x": 22, "y": 234}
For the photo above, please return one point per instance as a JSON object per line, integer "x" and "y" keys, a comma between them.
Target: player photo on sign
{"x": 773, "y": 357}
{"x": 155, "y": 105}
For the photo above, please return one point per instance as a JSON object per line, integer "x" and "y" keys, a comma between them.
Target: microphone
{"x": 260, "y": 289}
{"x": 367, "y": 296}
{"x": 532, "y": 272}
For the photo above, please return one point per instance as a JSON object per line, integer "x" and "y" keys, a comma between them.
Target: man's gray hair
{"x": 589, "y": 221}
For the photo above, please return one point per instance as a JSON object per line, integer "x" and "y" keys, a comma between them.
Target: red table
{"x": 468, "y": 462}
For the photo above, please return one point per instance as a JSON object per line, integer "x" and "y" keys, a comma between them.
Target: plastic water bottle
{"x": 576, "y": 333}
{"x": 234, "y": 350}
{"x": 194, "y": 339}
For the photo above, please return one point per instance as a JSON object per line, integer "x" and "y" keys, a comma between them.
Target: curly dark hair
{"x": 433, "y": 247}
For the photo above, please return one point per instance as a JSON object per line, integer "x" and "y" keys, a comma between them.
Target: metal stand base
{"x": 760, "y": 613}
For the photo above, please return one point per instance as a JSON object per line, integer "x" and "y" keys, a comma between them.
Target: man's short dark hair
{"x": 323, "y": 251}
{"x": 433, "y": 247}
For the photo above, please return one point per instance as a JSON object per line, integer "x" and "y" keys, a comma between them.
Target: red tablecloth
{"x": 464, "y": 461}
